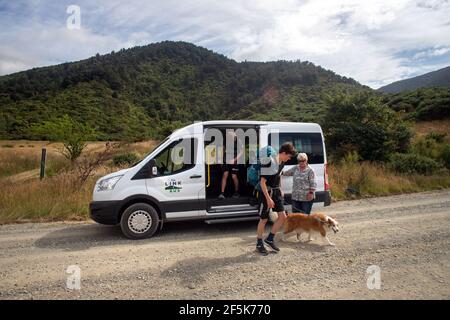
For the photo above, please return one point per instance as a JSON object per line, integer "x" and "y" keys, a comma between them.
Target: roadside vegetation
{"x": 66, "y": 190}
{"x": 372, "y": 151}
{"x": 375, "y": 151}
{"x": 61, "y": 196}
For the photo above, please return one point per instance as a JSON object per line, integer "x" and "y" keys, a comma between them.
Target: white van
{"x": 158, "y": 189}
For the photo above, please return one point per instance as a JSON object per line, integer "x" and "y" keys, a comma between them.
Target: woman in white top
{"x": 304, "y": 185}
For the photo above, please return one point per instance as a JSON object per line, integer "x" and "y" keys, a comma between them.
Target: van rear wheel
{"x": 139, "y": 221}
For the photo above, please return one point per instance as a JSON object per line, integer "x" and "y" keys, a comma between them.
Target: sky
{"x": 374, "y": 42}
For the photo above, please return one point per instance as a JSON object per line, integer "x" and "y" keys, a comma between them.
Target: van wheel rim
{"x": 139, "y": 221}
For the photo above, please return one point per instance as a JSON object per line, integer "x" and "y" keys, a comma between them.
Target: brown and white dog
{"x": 315, "y": 222}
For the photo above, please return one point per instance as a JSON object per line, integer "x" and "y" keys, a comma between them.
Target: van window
{"x": 309, "y": 143}
{"x": 176, "y": 157}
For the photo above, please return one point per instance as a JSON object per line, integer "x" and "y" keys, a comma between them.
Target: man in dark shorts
{"x": 231, "y": 164}
{"x": 272, "y": 196}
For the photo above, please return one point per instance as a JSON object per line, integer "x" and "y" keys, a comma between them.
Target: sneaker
{"x": 272, "y": 245}
{"x": 221, "y": 196}
{"x": 236, "y": 195}
{"x": 262, "y": 250}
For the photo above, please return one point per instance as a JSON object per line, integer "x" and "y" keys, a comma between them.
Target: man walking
{"x": 272, "y": 196}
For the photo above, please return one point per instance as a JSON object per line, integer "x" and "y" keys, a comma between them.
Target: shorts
{"x": 233, "y": 168}
{"x": 275, "y": 194}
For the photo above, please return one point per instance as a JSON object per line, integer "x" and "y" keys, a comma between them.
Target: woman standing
{"x": 304, "y": 185}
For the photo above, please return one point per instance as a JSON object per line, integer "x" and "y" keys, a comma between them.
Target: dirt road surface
{"x": 407, "y": 237}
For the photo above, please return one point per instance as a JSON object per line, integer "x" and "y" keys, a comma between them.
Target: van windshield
{"x": 160, "y": 144}
{"x": 309, "y": 143}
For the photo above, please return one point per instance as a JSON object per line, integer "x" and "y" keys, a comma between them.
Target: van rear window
{"x": 309, "y": 143}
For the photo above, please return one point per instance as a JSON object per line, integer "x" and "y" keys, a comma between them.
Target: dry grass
{"x": 16, "y": 158}
{"x": 23, "y": 157}
{"x": 371, "y": 180}
{"x": 54, "y": 198}
{"x": 23, "y": 197}
{"x": 438, "y": 126}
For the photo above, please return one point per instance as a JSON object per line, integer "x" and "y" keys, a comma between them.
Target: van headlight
{"x": 108, "y": 184}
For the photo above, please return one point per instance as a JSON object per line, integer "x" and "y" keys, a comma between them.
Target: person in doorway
{"x": 272, "y": 196}
{"x": 304, "y": 185}
{"x": 232, "y": 156}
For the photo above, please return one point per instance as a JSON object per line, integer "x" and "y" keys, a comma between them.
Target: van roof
{"x": 249, "y": 122}
{"x": 196, "y": 126}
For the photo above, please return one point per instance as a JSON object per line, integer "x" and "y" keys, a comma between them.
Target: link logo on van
{"x": 173, "y": 185}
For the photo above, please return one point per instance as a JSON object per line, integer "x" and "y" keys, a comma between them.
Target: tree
{"x": 70, "y": 132}
{"x": 362, "y": 123}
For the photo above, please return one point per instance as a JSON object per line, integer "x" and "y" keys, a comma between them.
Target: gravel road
{"x": 407, "y": 237}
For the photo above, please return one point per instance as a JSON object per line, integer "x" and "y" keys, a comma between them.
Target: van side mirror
{"x": 152, "y": 168}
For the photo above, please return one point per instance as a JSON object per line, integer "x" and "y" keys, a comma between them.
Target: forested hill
{"x": 146, "y": 91}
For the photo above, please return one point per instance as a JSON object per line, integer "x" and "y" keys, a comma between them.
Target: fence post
{"x": 43, "y": 158}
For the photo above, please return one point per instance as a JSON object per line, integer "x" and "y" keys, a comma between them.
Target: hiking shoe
{"x": 221, "y": 196}
{"x": 272, "y": 245}
{"x": 236, "y": 195}
{"x": 262, "y": 250}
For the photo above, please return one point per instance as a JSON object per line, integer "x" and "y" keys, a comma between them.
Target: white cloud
{"x": 366, "y": 40}
{"x": 435, "y": 52}
{"x": 53, "y": 45}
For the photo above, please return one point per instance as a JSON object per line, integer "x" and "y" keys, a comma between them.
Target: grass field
{"x": 371, "y": 179}
{"x": 60, "y": 196}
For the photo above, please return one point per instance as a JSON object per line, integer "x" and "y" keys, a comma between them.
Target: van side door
{"x": 177, "y": 180}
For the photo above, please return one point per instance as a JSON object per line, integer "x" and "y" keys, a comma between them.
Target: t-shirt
{"x": 271, "y": 171}
{"x": 238, "y": 146}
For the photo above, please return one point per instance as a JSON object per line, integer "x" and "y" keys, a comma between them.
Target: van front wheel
{"x": 139, "y": 221}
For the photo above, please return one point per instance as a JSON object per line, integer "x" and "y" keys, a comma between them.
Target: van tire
{"x": 139, "y": 221}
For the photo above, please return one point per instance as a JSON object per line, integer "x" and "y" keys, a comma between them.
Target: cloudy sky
{"x": 374, "y": 42}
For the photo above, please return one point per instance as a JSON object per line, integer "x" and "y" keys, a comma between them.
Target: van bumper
{"x": 105, "y": 212}
{"x": 323, "y": 196}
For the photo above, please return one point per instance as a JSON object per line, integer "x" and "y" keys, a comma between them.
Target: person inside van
{"x": 232, "y": 155}
{"x": 304, "y": 185}
{"x": 272, "y": 196}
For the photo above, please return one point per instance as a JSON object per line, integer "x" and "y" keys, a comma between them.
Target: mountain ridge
{"x": 437, "y": 78}
{"x": 146, "y": 91}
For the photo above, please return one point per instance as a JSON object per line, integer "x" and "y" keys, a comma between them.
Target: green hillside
{"x": 422, "y": 104}
{"x": 147, "y": 91}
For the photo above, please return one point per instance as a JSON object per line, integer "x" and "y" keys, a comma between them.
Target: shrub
{"x": 412, "y": 163}
{"x": 351, "y": 157}
{"x": 125, "y": 159}
{"x": 362, "y": 123}
{"x": 425, "y": 147}
{"x": 71, "y": 133}
{"x": 431, "y": 148}
{"x": 445, "y": 155}
{"x": 436, "y": 136}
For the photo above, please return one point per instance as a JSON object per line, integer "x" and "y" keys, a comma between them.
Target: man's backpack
{"x": 254, "y": 171}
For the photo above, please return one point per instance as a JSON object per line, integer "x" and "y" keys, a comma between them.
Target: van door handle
{"x": 195, "y": 176}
